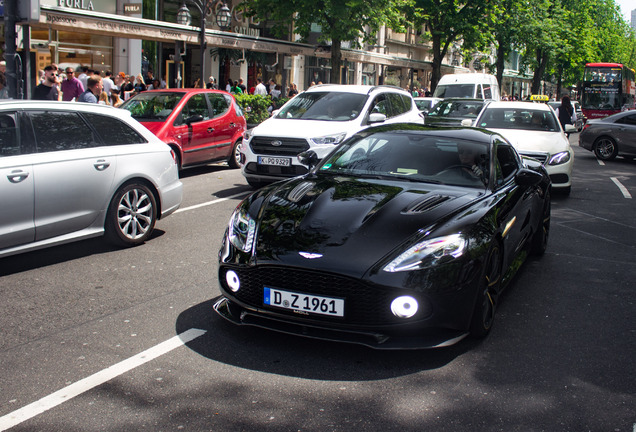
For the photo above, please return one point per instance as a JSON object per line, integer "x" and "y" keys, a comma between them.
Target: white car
{"x": 534, "y": 130}
{"x": 319, "y": 119}
{"x": 71, "y": 171}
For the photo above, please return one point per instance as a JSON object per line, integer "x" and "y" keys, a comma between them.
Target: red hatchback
{"x": 200, "y": 125}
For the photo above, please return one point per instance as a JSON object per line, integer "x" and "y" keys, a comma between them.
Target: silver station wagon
{"x": 70, "y": 171}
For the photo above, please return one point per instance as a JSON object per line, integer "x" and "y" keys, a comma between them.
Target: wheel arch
{"x": 150, "y": 185}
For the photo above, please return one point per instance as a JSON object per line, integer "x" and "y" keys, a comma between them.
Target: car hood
{"x": 535, "y": 141}
{"x": 154, "y": 127}
{"x": 346, "y": 224}
{"x": 297, "y": 128}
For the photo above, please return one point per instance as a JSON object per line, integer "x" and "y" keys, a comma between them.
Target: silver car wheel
{"x": 132, "y": 215}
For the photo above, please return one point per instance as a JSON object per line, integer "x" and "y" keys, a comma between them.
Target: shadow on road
{"x": 271, "y": 352}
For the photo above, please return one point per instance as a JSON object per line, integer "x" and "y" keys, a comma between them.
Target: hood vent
{"x": 425, "y": 204}
{"x": 297, "y": 193}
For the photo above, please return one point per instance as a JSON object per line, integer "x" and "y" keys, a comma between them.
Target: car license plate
{"x": 303, "y": 303}
{"x": 278, "y": 161}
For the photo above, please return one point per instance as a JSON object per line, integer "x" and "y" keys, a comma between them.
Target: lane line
{"x": 54, "y": 399}
{"x": 196, "y": 206}
{"x": 600, "y": 162}
{"x": 622, "y": 188}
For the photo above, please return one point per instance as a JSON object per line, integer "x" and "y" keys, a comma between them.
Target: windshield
{"x": 601, "y": 98}
{"x": 455, "y": 90}
{"x": 150, "y": 106}
{"x": 326, "y": 106}
{"x": 519, "y": 118}
{"x": 457, "y": 109}
{"x": 412, "y": 156}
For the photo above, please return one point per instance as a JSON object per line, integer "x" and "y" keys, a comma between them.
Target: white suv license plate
{"x": 303, "y": 302}
{"x": 277, "y": 161}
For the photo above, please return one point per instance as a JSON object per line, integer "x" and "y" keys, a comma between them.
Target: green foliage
{"x": 254, "y": 107}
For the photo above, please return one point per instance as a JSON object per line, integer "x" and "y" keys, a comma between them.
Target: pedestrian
{"x": 565, "y": 112}
{"x": 71, "y": 86}
{"x": 4, "y": 92}
{"x": 140, "y": 84}
{"x": 115, "y": 100}
{"x": 228, "y": 85}
{"x": 242, "y": 86}
{"x": 93, "y": 91}
{"x": 260, "y": 88}
{"x": 104, "y": 99}
{"x": 108, "y": 82}
{"x": 293, "y": 90}
{"x": 47, "y": 90}
{"x": 236, "y": 89}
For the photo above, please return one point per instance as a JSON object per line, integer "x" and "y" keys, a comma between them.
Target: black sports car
{"x": 403, "y": 237}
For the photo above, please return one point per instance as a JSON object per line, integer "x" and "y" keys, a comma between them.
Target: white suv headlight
{"x": 329, "y": 139}
{"x": 428, "y": 252}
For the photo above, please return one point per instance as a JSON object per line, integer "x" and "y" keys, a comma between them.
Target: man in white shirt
{"x": 108, "y": 82}
{"x": 260, "y": 88}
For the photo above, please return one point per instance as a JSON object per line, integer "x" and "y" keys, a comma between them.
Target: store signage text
{"x": 77, "y": 4}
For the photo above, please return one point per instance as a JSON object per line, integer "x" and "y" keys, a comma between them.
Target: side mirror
{"x": 308, "y": 158}
{"x": 193, "y": 119}
{"x": 570, "y": 128}
{"x": 528, "y": 177}
{"x": 376, "y": 118}
{"x": 467, "y": 123}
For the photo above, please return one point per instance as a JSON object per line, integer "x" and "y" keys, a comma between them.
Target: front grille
{"x": 364, "y": 304}
{"x": 288, "y": 171}
{"x": 284, "y": 147}
{"x": 541, "y": 157}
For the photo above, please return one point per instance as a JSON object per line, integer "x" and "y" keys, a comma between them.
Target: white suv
{"x": 319, "y": 119}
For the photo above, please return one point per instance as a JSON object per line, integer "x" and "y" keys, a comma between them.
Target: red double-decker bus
{"x": 607, "y": 88}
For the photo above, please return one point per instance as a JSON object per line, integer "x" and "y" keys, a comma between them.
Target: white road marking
{"x": 622, "y": 188}
{"x": 210, "y": 203}
{"x": 600, "y": 162}
{"x": 54, "y": 399}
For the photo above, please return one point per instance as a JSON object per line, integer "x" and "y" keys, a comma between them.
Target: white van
{"x": 468, "y": 85}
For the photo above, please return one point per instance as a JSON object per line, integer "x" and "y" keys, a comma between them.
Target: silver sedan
{"x": 611, "y": 136}
{"x": 70, "y": 171}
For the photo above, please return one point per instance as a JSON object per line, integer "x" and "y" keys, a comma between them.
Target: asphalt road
{"x": 92, "y": 337}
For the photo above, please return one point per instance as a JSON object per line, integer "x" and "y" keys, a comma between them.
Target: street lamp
{"x": 224, "y": 17}
{"x": 183, "y": 16}
{"x": 205, "y": 8}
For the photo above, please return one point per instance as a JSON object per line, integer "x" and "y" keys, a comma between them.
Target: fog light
{"x": 404, "y": 307}
{"x": 232, "y": 280}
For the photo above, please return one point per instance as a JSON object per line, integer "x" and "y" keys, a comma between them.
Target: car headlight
{"x": 329, "y": 139}
{"x": 428, "y": 252}
{"x": 241, "y": 230}
{"x": 559, "y": 158}
{"x": 247, "y": 134}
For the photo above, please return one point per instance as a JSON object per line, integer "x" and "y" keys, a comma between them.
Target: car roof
{"x": 184, "y": 90}
{"x": 18, "y": 104}
{"x": 352, "y": 88}
{"x": 475, "y": 134}
{"x": 519, "y": 105}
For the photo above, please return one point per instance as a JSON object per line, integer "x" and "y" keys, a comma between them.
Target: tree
{"x": 448, "y": 21}
{"x": 338, "y": 20}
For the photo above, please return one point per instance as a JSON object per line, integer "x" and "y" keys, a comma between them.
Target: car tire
{"x": 605, "y": 148}
{"x": 131, "y": 215}
{"x": 486, "y": 304}
{"x": 234, "y": 160}
{"x": 542, "y": 233}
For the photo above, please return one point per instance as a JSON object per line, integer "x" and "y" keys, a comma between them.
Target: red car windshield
{"x": 151, "y": 106}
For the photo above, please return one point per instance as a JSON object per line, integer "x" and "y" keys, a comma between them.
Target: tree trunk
{"x": 336, "y": 61}
{"x": 437, "y": 62}
{"x": 542, "y": 61}
{"x": 501, "y": 52}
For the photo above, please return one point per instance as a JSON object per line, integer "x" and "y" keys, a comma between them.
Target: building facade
{"x": 119, "y": 35}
